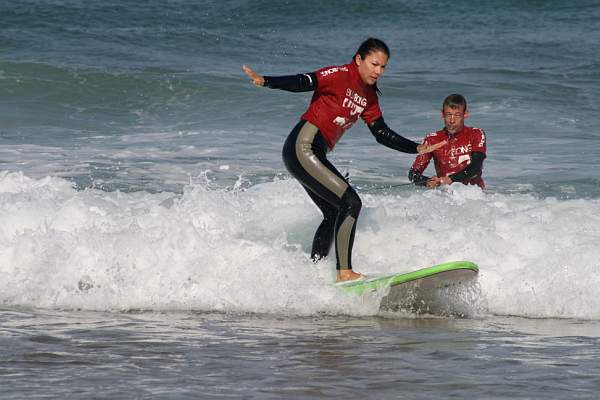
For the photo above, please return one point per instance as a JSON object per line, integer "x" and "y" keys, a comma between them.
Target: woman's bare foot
{"x": 347, "y": 275}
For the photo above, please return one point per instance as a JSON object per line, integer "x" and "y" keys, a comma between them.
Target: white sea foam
{"x": 248, "y": 250}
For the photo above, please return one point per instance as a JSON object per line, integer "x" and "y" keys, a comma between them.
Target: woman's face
{"x": 372, "y": 66}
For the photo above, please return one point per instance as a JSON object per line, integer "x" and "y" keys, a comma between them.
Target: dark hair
{"x": 372, "y": 45}
{"x": 455, "y": 100}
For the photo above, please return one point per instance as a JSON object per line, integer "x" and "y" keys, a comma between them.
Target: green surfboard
{"x": 437, "y": 276}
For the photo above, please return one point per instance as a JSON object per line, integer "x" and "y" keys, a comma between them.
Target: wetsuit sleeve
{"x": 387, "y": 137}
{"x": 417, "y": 178}
{"x": 471, "y": 170}
{"x": 292, "y": 83}
{"x": 415, "y": 173}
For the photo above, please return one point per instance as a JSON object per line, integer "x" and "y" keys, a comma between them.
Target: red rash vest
{"x": 456, "y": 155}
{"x": 339, "y": 99}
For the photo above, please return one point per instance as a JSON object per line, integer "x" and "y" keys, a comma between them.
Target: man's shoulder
{"x": 474, "y": 130}
{"x": 434, "y": 137}
{"x": 477, "y": 138}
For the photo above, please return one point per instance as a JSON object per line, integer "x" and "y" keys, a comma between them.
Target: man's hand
{"x": 434, "y": 181}
{"x": 444, "y": 180}
{"x": 438, "y": 181}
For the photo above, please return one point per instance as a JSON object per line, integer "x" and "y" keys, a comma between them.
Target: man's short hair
{"x": 454, "y": 101}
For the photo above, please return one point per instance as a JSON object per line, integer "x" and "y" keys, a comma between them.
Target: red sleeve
{"x": 478, "y": 140}
{"x": 422, "y": 160}
{"x": 326, "y": 77}
{"x": 372, "y": 112}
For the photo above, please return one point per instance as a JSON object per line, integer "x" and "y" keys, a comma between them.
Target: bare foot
{"x": 347, "y": 275}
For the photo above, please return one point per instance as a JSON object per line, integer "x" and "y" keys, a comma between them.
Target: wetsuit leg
{"x": 325, "y": 232}
{"x": 304, "y": 155}
{"x": 345, "y": 226}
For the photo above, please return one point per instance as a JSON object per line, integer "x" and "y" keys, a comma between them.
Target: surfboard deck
{"x": 440, "y": 275}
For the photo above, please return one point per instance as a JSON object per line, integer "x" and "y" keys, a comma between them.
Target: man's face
{"x": 454, "y": 118}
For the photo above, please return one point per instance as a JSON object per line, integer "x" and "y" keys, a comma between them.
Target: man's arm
{"x": 417, "y": 178}
{"x": 292, "y": 83}
{"x": 415, "y": 173}
{"x": 471, "y": 170}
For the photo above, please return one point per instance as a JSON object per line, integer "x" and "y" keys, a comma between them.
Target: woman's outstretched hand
{"x": 257, "y": 79}
{"x": 426, "y": 148}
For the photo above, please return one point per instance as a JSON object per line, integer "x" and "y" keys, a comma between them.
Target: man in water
{"x": 461, "y": 160}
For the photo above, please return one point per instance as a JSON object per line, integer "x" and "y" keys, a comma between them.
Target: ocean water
{"x": 152, "y": 244}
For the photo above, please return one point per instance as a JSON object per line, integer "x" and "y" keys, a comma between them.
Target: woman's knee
{"x": 351, "y": 202}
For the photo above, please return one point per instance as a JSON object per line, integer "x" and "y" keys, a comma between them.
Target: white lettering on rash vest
{"x": 333, "y": 70}
{"x": 354, "y": 102}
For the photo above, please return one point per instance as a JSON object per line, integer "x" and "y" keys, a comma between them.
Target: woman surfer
{"x": 341, "y": 95}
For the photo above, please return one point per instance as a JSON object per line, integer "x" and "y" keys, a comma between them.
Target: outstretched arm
{"x": 291, "y": 83}
{"x": 387, "y": 137}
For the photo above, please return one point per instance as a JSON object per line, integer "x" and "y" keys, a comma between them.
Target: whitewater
{"x": 246, "y": 250}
